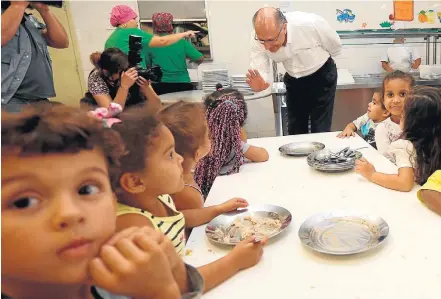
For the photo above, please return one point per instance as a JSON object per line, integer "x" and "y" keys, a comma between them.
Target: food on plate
{"x": 242, "y": 228}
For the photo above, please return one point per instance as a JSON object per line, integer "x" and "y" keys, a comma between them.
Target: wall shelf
{"x": 378, "y": 33}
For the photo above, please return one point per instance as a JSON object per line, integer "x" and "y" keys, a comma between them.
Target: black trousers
{"x": 311, "y": 96}
{"x": 163, "y": 87}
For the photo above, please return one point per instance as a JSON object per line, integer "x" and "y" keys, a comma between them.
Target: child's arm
{"x": 187, "y": 199}
{"x": 402, "y": 182}
{"x": 385, "y": 65}
{"x": 432, "y": 199}
{"x": 256, "y": 154}
{"x": 135, "y": 220}
{"x": 381, "y": 139}
{"x": 354, "y": 126}
{"x": 348, "y": 131}
{"x": 245, "y": 255}
{"x": 243, "y": 135}
{"x": 197, "y": 217}
{"x": 133, "y": 262}
{"x": 416, "y": 64}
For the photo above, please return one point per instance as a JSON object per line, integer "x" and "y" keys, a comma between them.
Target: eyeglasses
{"x": 269, "y": 41}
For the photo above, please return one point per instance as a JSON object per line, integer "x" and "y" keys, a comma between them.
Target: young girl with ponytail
{"x": 226, "y": 113}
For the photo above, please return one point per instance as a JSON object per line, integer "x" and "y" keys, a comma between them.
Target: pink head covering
{"x": 121, "y": 14}
{"x": 162, "y": 22}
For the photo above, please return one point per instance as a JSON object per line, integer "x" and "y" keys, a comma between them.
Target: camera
{"x": 153, "y": 73}
{"x": 58, "y": 4}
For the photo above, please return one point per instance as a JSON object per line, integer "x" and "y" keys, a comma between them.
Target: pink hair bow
{"x": 107, "y": 114}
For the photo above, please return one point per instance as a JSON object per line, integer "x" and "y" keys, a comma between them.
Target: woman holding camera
{"x": 124, "y": 18}
{"x": 113, "y": 81}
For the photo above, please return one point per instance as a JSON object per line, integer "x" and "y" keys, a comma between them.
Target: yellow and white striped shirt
{"x": 171, "y": 226}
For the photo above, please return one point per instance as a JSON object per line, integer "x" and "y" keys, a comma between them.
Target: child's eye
{"x": 25, "y": 202}
{"x": 403, "y": 94}
{"x": 88, "y": 190}
{"x": 390, "y": 94}
{"x": 171, "y": 155}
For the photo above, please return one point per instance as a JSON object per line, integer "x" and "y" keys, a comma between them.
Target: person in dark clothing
{"x": 27, "y": 76}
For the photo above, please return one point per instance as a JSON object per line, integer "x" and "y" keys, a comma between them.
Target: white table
{"x": 406, "y": 266}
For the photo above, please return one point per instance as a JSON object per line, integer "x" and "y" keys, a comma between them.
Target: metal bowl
{"x": 223, "y": 223}
{"x": 318, "y": 160}
{"x": 299, "y": 149}
{"x": 343, "y": 233}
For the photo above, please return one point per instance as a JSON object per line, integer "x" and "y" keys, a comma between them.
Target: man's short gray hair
{"x": 278, "y": 15}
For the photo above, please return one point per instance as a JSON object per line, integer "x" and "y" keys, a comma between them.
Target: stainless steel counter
{"x": 375, "y": 81}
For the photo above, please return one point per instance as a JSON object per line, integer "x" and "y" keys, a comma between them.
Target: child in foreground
{"x": 396, "y": 86}
{"x": 367, "y": 123}
{"x": 58, "y": 216}
{"x": 149, "y": 172}
{"x": 187, "y": 123}
{"x": 418, "y": 154}
{"x": 226, "y": 113}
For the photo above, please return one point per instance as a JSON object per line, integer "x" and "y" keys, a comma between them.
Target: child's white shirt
{"x": 386, "y": 133}
{"x": 367, "y": 128}
{"x": 402, "y": 153}
{"x": 401, "y": 57}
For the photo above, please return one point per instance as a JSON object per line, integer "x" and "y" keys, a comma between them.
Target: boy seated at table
{"x": 401, "y": 58}
{"x": 367, "y": 123}
{"x": 430, "y": 193}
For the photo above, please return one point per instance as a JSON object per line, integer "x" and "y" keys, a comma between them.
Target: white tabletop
{"x": 406, "y": 266}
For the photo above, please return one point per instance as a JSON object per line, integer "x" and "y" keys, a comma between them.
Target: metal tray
{"x": 331, "y": 166}
{"x": 343, "y": 233}
{"x": 223, "y": 223}
{"x": 299, "y": 149}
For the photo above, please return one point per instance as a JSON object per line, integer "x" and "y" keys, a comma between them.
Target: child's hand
{"x": 363, "y": 167}
{"x": 135, "y": 265}
{"x": 347, "y": 132}
{"x": 248, "y": 253}
{"x": 166, "y": 246}
{"x": 232, "y": 205}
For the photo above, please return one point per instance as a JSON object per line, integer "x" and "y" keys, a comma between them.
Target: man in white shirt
{"x": 304, "y": 43}
{"x": 400, "y": 57}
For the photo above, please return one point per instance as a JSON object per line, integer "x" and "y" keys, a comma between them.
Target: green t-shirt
{"x": 172, "y": 60}
{"x": 120, "y": 39}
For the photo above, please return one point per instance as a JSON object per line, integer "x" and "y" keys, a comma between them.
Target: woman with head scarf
{"x": 172, "y": 58}
{"x": 124, "y": 18}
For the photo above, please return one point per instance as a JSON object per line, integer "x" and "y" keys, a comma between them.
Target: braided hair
{"x": 226, "y": 112}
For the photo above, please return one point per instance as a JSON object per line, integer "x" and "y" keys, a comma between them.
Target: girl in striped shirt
{"x": 152, "y": 168}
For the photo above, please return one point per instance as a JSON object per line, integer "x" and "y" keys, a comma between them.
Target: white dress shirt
{"x": 401, "y": 57}
{"x": 310, "y": 42}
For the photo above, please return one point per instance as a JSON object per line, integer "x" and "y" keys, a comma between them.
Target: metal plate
{"x": 332, "y": 166}
{"x": 301, "y": 148}
{"x": 220, "y": 228}
{"x": 342, "y": 233}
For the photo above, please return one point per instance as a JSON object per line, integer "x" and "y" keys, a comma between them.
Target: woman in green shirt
{"x": 172, "y": 58}
{"x": 124, "y": 18}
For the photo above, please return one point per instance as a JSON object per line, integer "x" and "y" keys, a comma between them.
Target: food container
{"x": 430, "y": 71}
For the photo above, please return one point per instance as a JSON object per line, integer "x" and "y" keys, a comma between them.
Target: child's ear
{"x": 386, "y": 113}
{"x": 197, "y": 156}
{"x": 132, "y": 183}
